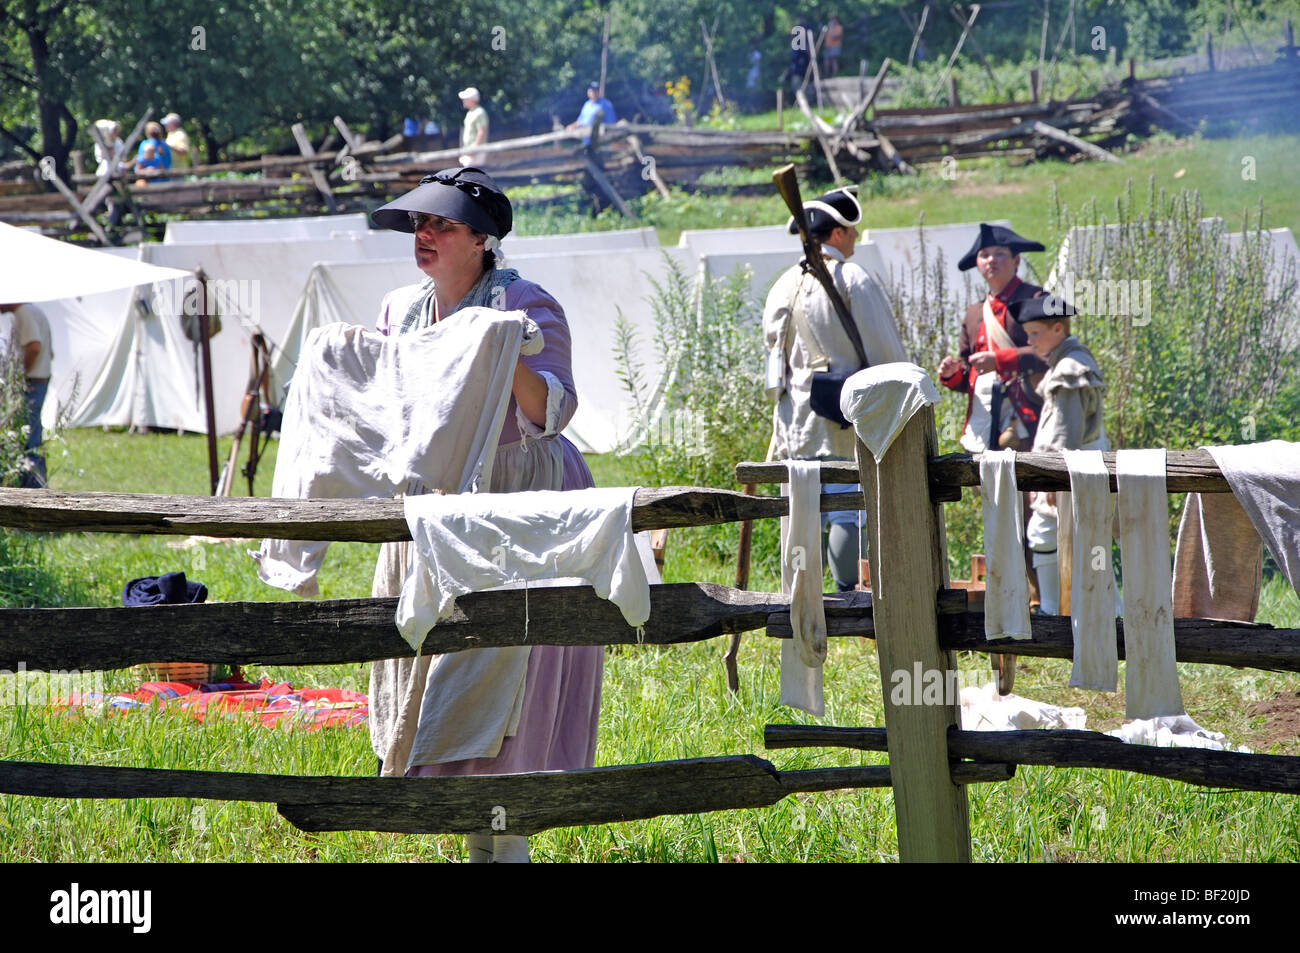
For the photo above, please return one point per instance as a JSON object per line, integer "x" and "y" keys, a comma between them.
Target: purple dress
{"x": 561, "y": 698}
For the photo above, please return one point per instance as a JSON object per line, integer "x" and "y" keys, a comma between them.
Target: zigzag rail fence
{"x": 912, "y": 614}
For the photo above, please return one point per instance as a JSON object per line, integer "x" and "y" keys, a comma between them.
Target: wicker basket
{"x": 194, "y": 672}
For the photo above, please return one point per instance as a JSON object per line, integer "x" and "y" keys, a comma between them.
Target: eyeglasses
{"x": 420, "y": 220}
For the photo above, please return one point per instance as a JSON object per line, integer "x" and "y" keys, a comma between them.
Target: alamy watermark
{"x": 23, "y": 687}
{"x": 1114, "y": 297}
{"x": 241, "y": 296}
{"x": 932, "y": 686}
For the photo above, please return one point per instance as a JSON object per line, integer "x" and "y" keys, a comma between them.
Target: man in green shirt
{"x": 475, "y": 131}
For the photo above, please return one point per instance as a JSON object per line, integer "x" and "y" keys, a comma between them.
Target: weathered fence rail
{"x": 913, "y": 615}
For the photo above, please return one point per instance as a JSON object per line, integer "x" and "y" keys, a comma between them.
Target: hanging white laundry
{"x": 1265, "y": 479}
{"x": 1006, "y": 597}
{"x": 880, "y": 400}
{"x": 366, "y": 412}
{"x": 1151, "y": 680}
{"x": 801, "y": 579}
{"x": 1092, "y": 577}
{"x": 471, "y": 542}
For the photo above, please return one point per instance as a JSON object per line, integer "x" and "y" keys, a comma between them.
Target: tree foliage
{"x": 242, "y": 71}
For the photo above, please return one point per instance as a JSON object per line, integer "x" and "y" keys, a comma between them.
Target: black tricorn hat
{"x": 1041, "y": 308}
{"x": 466, "y": 194}
{"x": 835, "y": 209}
{"x": 996, "y": 235}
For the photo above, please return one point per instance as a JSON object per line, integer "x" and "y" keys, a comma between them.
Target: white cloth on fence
{"x": 1092, "y": 576}
{"x": 1265, "y": 479}
{"x": 1172, "y": 731}
{"x": 1006, "y": 597}
{"x": 1151, "y": 675}
{"x": 548, "y": 536}
{"x": 880, "y": 400}
{"x": 801, "y": 580}
{"x": 376, "y": 416}
{"x": 983, "y": 709}
{"x": 471, "y": 542}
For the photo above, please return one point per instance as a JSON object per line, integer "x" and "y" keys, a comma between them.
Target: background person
{"x": 804, "y": 336}
{"x": 595, "y": 106}
{"x": 31, "y": 335}
{"x": 475, "y": 130}
{"x": 177, "y": 141}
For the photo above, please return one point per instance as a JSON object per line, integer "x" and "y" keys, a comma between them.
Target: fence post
{"x": 909, "y": 564}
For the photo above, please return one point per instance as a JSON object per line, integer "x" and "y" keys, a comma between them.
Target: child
{"x": 1071, "y": 419}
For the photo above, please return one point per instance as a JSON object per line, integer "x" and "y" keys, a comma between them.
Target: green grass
{"x": 658, "y": 703}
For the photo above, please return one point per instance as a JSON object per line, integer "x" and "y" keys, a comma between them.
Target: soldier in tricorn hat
{"x": 995, "y": 359}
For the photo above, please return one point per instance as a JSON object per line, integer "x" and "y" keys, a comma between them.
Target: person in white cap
{"x": 475, "y": 131}
{"x": 178, "y": 142}
{"x": 804, "y": 336}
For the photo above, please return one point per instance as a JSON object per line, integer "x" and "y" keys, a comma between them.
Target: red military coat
{"x": 1014, "y": 365}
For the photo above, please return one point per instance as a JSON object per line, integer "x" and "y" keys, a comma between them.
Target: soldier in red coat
{"x": 995, "y": 361}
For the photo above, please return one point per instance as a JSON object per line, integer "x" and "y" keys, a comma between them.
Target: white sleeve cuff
{"x": 554, "y": 400}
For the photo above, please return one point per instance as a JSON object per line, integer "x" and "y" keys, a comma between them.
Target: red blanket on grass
{"x": 278, "y": 705}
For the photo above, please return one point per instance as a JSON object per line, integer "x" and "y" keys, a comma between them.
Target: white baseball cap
{"x": 470, "y": 92}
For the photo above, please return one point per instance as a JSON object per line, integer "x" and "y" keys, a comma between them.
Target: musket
{"x": 813, "y": 261}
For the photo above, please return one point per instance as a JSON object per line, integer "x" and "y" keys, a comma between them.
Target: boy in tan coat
{"x": 1071, "y": 419}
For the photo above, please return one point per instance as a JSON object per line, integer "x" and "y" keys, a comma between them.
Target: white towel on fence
{"x": 471, "y": 542}
{"x": 801, "y": 579}
{"x": 1265, "y": 479}
{"x": 1092, "y": 577}
{"x": 1151, "y": 681}
{"x": 880, "y": 400}
{"x": 366, "y": 412}
{"x": 1006, "y": 597}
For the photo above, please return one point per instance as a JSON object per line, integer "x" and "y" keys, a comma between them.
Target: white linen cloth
{"x": 880, "y": 400}
{"x": 1151, "y": 681}
{"x": 1092, "y": 579}
{"x": 801, "y": 580}
{"x": 1006, "y": 597}
{"x": 1172, "y": 731}
{"x": 365, "y": 413}
{"x": 1265, "y": 479}
{"x": 983, "y": 709}
{"x": 471, "y": 542}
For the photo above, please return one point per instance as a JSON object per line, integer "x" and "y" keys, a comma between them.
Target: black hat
{"x": 1042, "y": 308}
{"x": 465, "y": 194}
{"x": 996, "y": 235}
{"x": 839, "y": 208}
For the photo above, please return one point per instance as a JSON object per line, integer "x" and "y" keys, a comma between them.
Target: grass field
{"x": 659, "y": 703}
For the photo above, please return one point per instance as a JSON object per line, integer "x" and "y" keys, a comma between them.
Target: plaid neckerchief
{"x": 488, "y": 292}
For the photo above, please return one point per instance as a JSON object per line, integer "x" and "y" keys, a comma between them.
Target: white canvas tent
{"x": 264, "y": 229}
{"x": 75, "y": 287}
{"x": 146, "y": 374}
{"x": 149, "y": 374}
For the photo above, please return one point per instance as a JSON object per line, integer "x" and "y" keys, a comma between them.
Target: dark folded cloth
{"x": 168, "y": 589}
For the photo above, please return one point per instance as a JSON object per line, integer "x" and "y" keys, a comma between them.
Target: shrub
{"x": 706, "y": 412}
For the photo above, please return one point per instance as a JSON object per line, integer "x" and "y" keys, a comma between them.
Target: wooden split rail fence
{"x": 912, "y": 615}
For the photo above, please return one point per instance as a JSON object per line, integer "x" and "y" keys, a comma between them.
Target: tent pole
{"x": 207, "y": 382}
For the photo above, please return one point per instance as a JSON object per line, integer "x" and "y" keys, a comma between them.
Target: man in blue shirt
{"x": 596, "y": 105}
